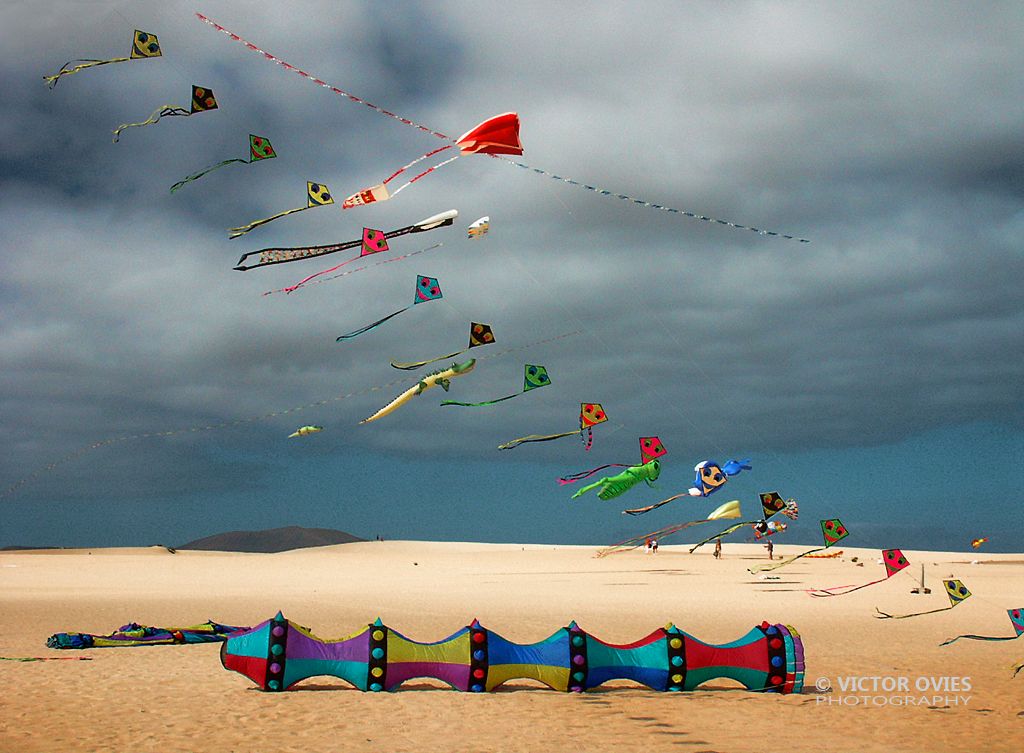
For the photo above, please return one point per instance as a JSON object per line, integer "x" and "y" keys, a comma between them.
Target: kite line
{"x": 594, "y": 189}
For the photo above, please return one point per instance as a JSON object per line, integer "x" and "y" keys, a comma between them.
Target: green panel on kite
{"x": 771, "y": 503}
{"x": 956, "y": 590}
{"x": 535, "y": 376}
{"x": 894, "y": 561}
{"x": 145, "y": 45}
{"x": 651, "y": 448}
{"x": 318, "y": 195}
{"x": 260, "y": 148}
{"x": 427, "y": 289}
{"x": 374, "y": 242}
{"x": 480, "y": 334}
{"x": 833, "y": 530}
{"x": 202, "y": 99}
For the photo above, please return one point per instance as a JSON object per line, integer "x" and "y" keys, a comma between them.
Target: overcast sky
{"x": 875, "y": 373}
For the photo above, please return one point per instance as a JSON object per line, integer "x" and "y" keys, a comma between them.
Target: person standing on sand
{"x": 771, "y": 548}
{"x": 718, "y": 549}
{"x": 654, "y": 546}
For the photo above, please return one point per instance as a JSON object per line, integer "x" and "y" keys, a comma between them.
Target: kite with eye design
{"x": 202, "y": 100}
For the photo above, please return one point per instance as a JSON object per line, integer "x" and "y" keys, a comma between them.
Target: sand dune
{"x": 178, "y": 698}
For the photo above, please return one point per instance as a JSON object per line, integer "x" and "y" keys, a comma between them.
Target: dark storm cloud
{"x": 888, "y": 135}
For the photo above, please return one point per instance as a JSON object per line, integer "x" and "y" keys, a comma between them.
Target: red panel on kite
{"x": 894, "y": 561}
{"x": 497, "y": 135}
{"x": 651, "y": 448}
{"x": 591, "y": 414}
{"x": 374, "y": 242}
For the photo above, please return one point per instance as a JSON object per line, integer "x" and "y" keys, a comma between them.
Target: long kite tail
{"x": 972, "y": 637}
{"x": 241, "y": 230}
{"x": 1017, "y": 668}
{"x": 485, "y": 402}
{"x": 413, "y": 365}
{"x": 425, "y": 129}
{"x": 886, "y": 616}
{"x": 535, "y": 438}
{"x": 835, "y": 590}
{"x": 204, "y": 171}
{"x": 655, "y": 506}
{"x": 83, "y": 63}
{"x": 291, "y": 289}
{"x": 572, "y": 478}
{"x": 661, "y": 534}
{"x": 163, "y": 111}
{"x": 777, "y": 565}
{"x": 368, "y": 327}
{"x": 720, "y": 534}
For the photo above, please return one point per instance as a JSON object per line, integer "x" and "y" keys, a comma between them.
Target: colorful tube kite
{"x": 144, "y": 45}
{"x": 591, "y": 414}
{"x": 894, "y": 562}
{"x": 479, "y": 335}
{"x": 534, "y": 377}
{"x": 832, "y": 531}
{"x": 427, "y": 289}
{"x": 278, "y": 654}
{"x": 955, "y": 590}
{"x": 259, "y": 149}
{"x": 268, "y": 256}
{"x": 202, "y": 100}
{"x": 317, "y": 195}
{"x": 1016, "y": 619}
{"x": 437, "y": 379}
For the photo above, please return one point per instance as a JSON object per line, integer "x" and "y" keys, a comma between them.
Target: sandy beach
{"x": 179, "y": 698}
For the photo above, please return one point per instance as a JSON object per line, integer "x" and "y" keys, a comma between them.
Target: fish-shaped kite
{"x": 832, "y": 531}
{"x": 202, "y": 101}
{"x": 651, "y": 448}
{"x": 497, "y": 135}
{"x": 440, "y": 379}
{"x": 955, "y": 590}
{"x": 894, "y": 562}
{"x": 534, "y": 377}
{"x": 144, "y": 45}
{"x": 976, "y": 543}
{"x": 317, "y": 195}
{"x": 722, "y": 512}
{"x": 370, "y": 245}
{"x": 259, "y": 149}
{"x": 304, "y": 431}
{"x": 479, "y": 228}
{"x": 479, "y": 335}
{"x": 427, "y": 289}
{"x": 1016, "y": 619}
{"x": 591, "y": 414}
{"x": 771, "y": 503}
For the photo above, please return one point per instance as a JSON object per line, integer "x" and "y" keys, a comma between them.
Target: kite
{"x": 651, "y": 448}
{"x": 620, "y": 483}
{"x": 832, "y": 531}
{"x": 305, "y": 431}
{"x": 269, "y": 256}
{"x": 479, "y": 228}
{"x": 317, "y": 195}
{"x": 497, "y": 135}
{"x": 894, "y": 562}
{"x": 436, "y": 379}
{"x": 534, "y": 377}
{"x": 427, "y": 289}
{"x": 144, "y": 45}
{"x": 591, "y": 414}
{"x": 202, "y": 100}
{"x": 134, "y": 634}
{"x": 374, "y": 242}
{"x": 711, "y": 476}
{"x": 763, "y": 529}
{"x": 278, "y": 653}
{"x": 479, "y": 334}
{"x": 771, "y": 503}
{"x": 593, "y": 189}
{"x": 259, "y": 149}
{"x": 722, "y": 512}
{"x": 978, "y": 542}
{"x": 955, "y": 590}
{"x": 1016, "y": 619}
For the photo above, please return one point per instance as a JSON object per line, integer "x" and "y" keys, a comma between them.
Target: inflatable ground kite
{"x": 278, "y": 653}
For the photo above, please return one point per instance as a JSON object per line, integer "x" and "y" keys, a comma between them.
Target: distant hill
{"x": 274, "y": 540}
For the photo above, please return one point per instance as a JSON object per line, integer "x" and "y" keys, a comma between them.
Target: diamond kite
{"x": 202, "y": 101}
{"x": 144, "y": 45}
